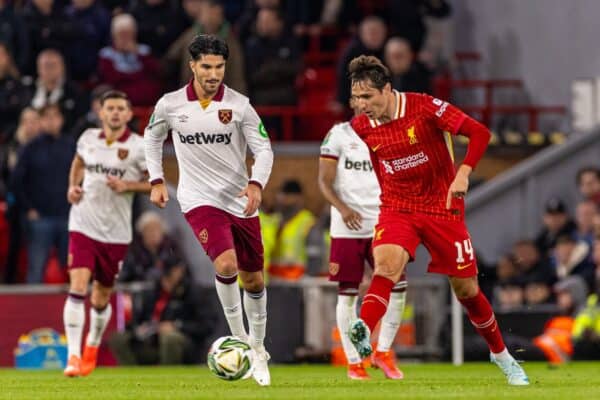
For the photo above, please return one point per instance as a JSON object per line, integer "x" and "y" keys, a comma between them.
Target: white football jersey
{"x": 355, "y": 181}
{"x": 103, "y": 214}
{"x": 210, "y": 146}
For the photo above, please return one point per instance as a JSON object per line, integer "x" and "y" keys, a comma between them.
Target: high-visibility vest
{"x": 588, "y": 318}
{"x": 555, "y": 342}
{"x": 288, "y": 260}
{"x": 269, "y": 223}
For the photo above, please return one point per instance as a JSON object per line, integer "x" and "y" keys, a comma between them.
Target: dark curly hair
{"x": 208, "y": 44}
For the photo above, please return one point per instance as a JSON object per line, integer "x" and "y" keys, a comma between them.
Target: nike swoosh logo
{"x": 375, "y": 148}
{"x": 459, "y": 267}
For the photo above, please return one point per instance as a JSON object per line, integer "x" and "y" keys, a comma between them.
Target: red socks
{"x": 376, "y": 300}
{"x": 483, "y": 319}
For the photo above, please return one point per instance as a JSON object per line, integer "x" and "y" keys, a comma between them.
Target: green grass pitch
{"x": 422, "y": 381}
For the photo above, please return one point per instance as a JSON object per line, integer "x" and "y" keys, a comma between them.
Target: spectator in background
{"x": 28, "y": 130}
{"x": 372, "y": 33}
{"x": 53, "y": 87}
{"x": 92, "y": 28}
{"x": 555, "y": 342}
{"x": 159, "y": 22}
{"x": 91, "y": 119}
{"x": 272, "y": 61}
{"x": 573, "y": 258}
{"x": 407, "y": 18}
{"x": 289, "y": 258}
{"x": 48, "y": 27}
{"x": 246, "y": 24}
{"x": 11, "y": 94}
{"x": 170, "y": 323}
{"x": 210, "y": 19}
{"x": 408, "y": 74}
{"x": 531, "y": 264}
{"x": 584, "y": 218}
{"x": 129, "y": 66}
{"x": 556, "y": 222}
{"x": 151, "y": 252}
{"x": 588, "y": 182}
{"x": 14, "y": 35}
{"x": 40, "y": 181}
{"x": 508, "y": 291}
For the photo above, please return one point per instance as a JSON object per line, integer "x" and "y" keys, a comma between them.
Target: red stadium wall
{"x": 22, "y": 313}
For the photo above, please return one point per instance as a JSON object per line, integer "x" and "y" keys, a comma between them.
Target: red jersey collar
{"x": 123, "y": 137}
{"x": 191, "y": 93}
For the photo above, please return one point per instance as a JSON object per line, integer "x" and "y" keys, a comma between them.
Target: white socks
{"x": 391, "y": 321}
{"x": 345, "y": 312}
{"x": 98, "y": 323}
{"x": 255, "y": 305}
{"x": 229, "y": 295}
{"x": 74, "y": 318}
{"x": 504, "y": 355}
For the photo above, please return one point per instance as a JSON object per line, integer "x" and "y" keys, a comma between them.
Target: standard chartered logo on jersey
{"x": 404, "y": 163}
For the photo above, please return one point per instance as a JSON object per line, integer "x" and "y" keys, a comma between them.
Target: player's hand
{"x": 254, "y": 194}
{"x": 116, "y": 184}
{"x": 159, "y": 195}
{"x": 74, "y": 194}
{"x": 352, "y": 219}
{"x": 458, "y": 187}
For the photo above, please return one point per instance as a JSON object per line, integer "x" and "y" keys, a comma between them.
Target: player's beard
{"x": 210, "y": 88}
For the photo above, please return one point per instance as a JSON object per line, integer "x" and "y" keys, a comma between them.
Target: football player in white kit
{"x": 212, "y": 127}
{"x": 348, "y": 182}
{"x": 107, "y": 169}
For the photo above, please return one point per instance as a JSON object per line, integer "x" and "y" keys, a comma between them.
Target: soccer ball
{"x": 230, "y": 358}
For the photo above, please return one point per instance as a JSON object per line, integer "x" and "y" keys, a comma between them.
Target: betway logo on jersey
{"x": 104, "y": 170}
{"x": 205, "y": 138}
{"x": 405, "y": 163}
{"x": 364, "y": 165}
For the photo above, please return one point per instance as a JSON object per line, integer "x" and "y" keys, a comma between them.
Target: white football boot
{"x": 514, "y": 372}
{"x": 260, "y": 371}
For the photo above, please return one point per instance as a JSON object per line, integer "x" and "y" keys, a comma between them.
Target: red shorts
{"x": 448, "y": 242}
{"x": 347, "y": 259}
{"x": 103, "y": 259}
{"x": 218, "y": 231}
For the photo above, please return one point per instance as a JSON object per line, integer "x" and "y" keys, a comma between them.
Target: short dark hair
{"x": 585, "y": 170}
{"x": 114, "y": 94}
{"x": 208, "y": 44}
{"x": 370, "y": 68}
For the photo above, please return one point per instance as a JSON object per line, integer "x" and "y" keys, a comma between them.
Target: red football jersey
{"x": 412, "y": 155}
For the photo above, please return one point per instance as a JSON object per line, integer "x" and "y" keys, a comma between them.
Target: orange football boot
{"x": 357, "y": 372}
{"x": 88, "y": 361}
{"x": 386, "y": 361}
{"x": 73, "y": 367}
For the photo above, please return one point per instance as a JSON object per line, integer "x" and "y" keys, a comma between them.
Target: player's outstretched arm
{"x": 75, "y": 192}
{"x": 327, "y": 175}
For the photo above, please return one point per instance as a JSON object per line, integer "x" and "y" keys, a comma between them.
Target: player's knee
{"x": 253, "y": 282}
{"x": 465, "y": 288}
{"x": 388, "y": 269}
{"x": 226, "y": 266}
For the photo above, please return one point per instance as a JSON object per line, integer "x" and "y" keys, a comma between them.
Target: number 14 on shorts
{"x": 464, "y": 248}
